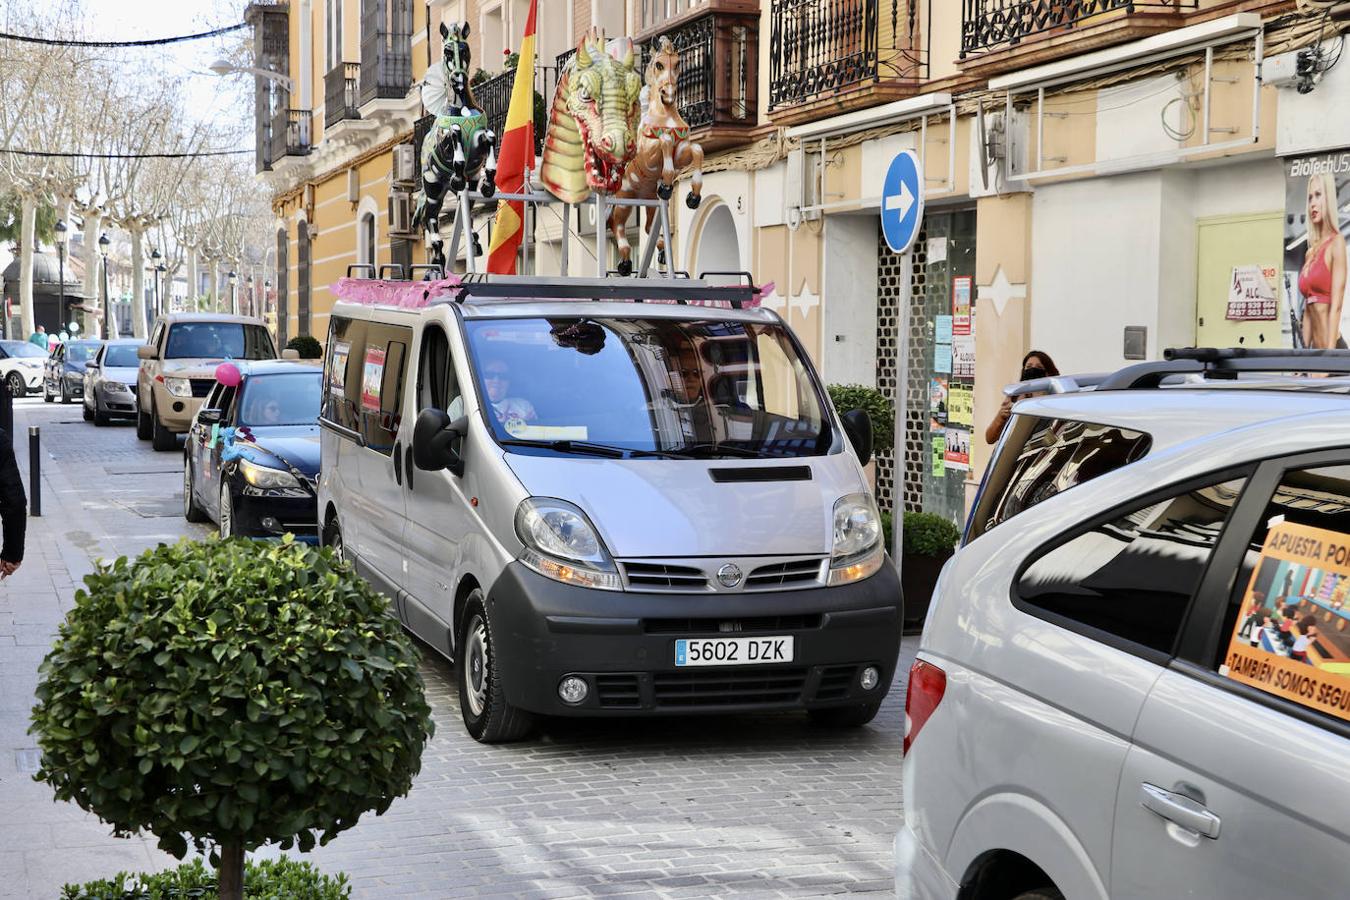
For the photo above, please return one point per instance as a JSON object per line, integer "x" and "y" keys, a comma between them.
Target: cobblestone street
{"x": 695, "y": 807}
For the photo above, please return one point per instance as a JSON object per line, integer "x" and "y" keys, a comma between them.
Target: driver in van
{"x": 511, "y": 412}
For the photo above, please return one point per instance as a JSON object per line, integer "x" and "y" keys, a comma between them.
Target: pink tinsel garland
{"x": 405, "y": 294}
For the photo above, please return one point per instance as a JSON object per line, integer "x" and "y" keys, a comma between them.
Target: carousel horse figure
{"x": 663, "y": 152}
{"x": 460, "y": 149}
{"x": 590, "y": 132}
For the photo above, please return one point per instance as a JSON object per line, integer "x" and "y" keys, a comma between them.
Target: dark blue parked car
{"x": 63, "y": 375}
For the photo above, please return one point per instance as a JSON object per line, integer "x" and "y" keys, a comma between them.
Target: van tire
{"x": 332, "y": 537}
{"x": 1048, "y": 893}
{"x": 843, "y": 716}
{"x": 495, "y": 721}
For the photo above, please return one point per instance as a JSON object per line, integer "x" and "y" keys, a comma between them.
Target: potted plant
{"x": 929, "y": 541}
{"x": 880, "y": 411}
{"x": 234, "y": 693}
{"x": 308, "y": 347}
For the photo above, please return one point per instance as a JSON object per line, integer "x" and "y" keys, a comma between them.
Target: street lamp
{"x": 234, "y": 299}
{"x": 249, "y": 281}
{"x": 103, "y": 243}
{"x": 61, "y": 267}
{"x": 224, "y": 67}
{"x": 155, "y": 257}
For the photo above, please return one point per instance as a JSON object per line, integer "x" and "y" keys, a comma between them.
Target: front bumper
{"x": 623, "y": 645}
{"x": 175, "y": 413}
{"x": 116, "y": 403}
{"x": 272, "y": 515}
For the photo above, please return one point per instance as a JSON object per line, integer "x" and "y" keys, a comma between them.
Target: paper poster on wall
{"x": 1292, "y": 634}
{"x": 939, "y": 454}
{"x": 961, "y": 290}
{"x": 943, "y": 329}
{"x": 937, "y": 250}
{"x": 371, "y": 378}
{"x": 337, "y": 367}
{"x": 960, "y": 405}
{"x": 1316, "y": 188}
{"x": 942, "y": 358}
{"x": 956, "y": 451}
{"x": 963, "y": 357}
{"x": 1252, "y": 294}
{"x": 937, "y": 399}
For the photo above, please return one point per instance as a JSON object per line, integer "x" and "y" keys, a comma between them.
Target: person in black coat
{"x": 13, "y": 508}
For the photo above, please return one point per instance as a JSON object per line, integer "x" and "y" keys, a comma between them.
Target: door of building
{"x": 1234, "y": 256}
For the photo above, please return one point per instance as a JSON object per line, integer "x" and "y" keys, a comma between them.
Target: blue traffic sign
{"x": 902, "y": 201}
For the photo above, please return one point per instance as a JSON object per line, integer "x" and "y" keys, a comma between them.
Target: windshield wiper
{"x": 708, "y": 449}
{"x": 569, "y": 446}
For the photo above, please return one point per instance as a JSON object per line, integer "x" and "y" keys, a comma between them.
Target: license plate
{"x": 739, "y": 651}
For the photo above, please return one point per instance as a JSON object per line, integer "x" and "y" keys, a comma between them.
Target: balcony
{"x": 386, "y": 50}
{"x": 1052, "y": 28}
{"x": 841, "y": 54}
{"x": 289, "y": 134}
{"x": 494, "y": 98}
{"x": 340, "y": 94}
{"x": 718, "y": 88}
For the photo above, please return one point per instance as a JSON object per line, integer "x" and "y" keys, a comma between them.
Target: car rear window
{"x": 1042, "y": 457}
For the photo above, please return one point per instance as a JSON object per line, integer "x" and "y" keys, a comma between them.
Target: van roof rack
{"x": 1225, "y": 363}
{"x": 532, "y": 287}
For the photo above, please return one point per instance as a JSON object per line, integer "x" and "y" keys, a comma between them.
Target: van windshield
{"x": 702, "y": 388}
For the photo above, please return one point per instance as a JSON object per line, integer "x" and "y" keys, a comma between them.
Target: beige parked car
{"x": 177, "y": 368}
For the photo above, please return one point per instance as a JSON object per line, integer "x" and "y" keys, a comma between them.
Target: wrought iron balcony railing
{"x": 821, "y": 47}
{"x": 341, "y": 99}
{"x": 994, "y": 24}
{"x": 494, "y": 97}
{"x": 719, "y": 56}
{"x": 290, "y": 133}
{"x": 386, "y": 49}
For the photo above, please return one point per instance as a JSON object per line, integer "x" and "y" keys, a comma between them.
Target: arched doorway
{"x": 719, "y": 247}
{"x": 303, "y": 286}
{"x": 283, "y": 283}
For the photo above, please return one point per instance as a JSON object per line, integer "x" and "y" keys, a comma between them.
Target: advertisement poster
{"x": 956, "y": 450}
{"x": 942, "y": 358}
{"x": 337, "y": 371}
{"x": 371, "y": 378}
{"x": 1316, "y": 188}
{"x": 939, "y": 454}
{"x": 961, "y": 291}
{"x": 1292, "y": 634}
{"x": 961, "y": 405}
{"x": 937, "y": 400}
{"x": 1251, "y": 294}
{"x": 963, "y": 357}
{"x": 944, "y": 329}
{"x": 937, "y": 250}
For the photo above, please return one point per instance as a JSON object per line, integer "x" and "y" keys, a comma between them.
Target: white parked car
{"x": 1134, "y": 681}
{"x": 21, "y": 367}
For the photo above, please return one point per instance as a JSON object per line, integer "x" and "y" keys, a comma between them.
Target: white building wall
{"x": 849, "y": 300}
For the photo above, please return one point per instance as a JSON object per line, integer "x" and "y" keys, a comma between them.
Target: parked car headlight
{"x": 266, "y": 477}
{"x": 178, "y": 387}
{"x": 561, "y": 544}
{"x": 115, "y": 387}
{"x": 858, "y": 552}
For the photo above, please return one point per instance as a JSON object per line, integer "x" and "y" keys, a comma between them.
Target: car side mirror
{"x": 438, "y": 442}
{"x": 146, "y": 351}
{"x": 858, "y": 427}
{"x": 209, "y": 416}
{"x": 290, "y": 354}
{"x": 91, "y": 364}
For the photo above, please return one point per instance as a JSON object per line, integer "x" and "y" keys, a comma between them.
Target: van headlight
{"x": 560, "y": 543}
{"x": 857, "y": 551}
{"x": 266, "y": 477}
{"x": 178, "y": 387}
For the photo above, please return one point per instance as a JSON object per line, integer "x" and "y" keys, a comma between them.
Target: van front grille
{"x": 660, "y": 576}
{"x": 835, "y": 681}
{"x": 728, "y": 687}
{"x": 731, "y": 626}
{"x": 779, "y": 574}
{"x": 618, "y": 691}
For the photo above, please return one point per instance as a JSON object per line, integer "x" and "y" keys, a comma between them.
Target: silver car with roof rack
{"x": 608, "y": 497}
{"x": 1134, "y": 679}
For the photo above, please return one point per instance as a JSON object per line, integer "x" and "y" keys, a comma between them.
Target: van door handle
{"x": 398, "y": 464}
{"x": 1180, "y": 809}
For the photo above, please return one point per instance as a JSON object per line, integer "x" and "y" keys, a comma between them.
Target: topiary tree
{"x": 308, "y": 347}
{"x": 880, "y": 410}
{"x": 929, "y": 534}
{"x": 234, "y": 692}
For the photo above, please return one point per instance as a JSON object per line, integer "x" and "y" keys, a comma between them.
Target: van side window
{"x": 384, "y": 368}
{"x": 342, "y": 373}
{"x": 1044, "y": 457}
{"x": 1287, "y": 630}
{"x": 1132, "y": 575}
{"x": 437, "y": 386}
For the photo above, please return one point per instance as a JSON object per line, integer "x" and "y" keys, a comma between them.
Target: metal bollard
{"x": 34, "y": 471}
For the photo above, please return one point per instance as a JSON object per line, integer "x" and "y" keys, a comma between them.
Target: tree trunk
{"x": 27, "y": 243}
{"x": 138, "y": 327}
{"x": 193, "y": 287}
{"x": 93, "y": 296}
{"x": 231, "y": 872}
{"x": 215, "y": 284}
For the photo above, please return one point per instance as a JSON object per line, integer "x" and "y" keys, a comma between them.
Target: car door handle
{"x": 1180, "y": 809}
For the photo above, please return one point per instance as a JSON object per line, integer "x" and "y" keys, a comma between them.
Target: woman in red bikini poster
{"x": 1315, "y": 252}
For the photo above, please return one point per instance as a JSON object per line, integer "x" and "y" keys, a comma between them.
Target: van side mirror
{"x": 438, "y": 442}
{"x": 858, "y": 427}
{"x": 146, "y": 351}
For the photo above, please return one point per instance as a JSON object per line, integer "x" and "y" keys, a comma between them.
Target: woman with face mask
{"x": 1035, "y": 364}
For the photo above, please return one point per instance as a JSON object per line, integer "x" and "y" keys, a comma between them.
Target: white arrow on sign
{"x": 901, "y": 201}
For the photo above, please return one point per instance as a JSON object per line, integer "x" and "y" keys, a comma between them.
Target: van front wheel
{"x": 488, "y": 718}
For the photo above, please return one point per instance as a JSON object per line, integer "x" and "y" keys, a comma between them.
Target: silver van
{"x": 609, "y": 497}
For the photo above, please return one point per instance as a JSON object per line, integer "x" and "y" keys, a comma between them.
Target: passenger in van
{"x": 510, "y": 411}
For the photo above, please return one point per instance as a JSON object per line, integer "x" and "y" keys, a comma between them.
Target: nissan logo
{"x": 730, "y": 575}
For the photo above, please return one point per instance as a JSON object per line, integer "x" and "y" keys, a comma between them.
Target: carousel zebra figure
{"x": 460, "y": 149}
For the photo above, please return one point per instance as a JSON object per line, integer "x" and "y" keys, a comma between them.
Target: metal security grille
{"x": 990, "y": 24}
{"x": 892, "y": 275}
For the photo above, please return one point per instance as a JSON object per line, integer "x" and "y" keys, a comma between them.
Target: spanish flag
{"x": 517, "y": 149}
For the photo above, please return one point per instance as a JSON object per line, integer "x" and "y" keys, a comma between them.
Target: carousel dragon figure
{"x": 460, "y": 148}
{"x": 663, "y": 151}
{"x": 590, "y": 132}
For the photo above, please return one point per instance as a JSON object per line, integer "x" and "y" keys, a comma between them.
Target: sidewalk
{"x": 61, "y": 548}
